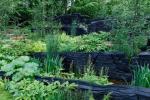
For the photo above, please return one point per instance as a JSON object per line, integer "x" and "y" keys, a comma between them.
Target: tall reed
{"x": 53, "y": 61}
{"x": 141, "y": 76}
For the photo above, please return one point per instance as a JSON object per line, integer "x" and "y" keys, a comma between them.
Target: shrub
{"x": 130, "y": 26}
{"x": 130, "y": 46}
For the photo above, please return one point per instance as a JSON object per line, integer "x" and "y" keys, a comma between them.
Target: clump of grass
{"x": 108, "y": 96}
{"x": 53, "y": 61}
{"x": 141, "y": 76}
{"x": 90, "y": 75}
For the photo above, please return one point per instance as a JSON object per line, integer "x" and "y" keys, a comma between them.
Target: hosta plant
{"x": 20, "y": 68}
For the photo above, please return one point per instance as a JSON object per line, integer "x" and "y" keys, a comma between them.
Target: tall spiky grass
{"x": 91, "y": 76}
{"x": 53, "y": 61}
{"x": 141, "y": 76}
{"x": 108, "y": 96}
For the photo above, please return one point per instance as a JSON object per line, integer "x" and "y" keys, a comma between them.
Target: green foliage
{"x": 63, "y": 43}
{"x": 3, "y": 93}
{"x": 35, "y": 90}
{"x": 94, "y": 42}
{"x": 14, "y": 12}
{"x": 107, "y": 97}
{"x": 90, "y": 75}
{"x": 7, "y": 8}
{"x": 53, "y": 65}
{"x": 141, "y": 76}
{"x": 53, "y": 61}
{"x": 88, "y": 43}
{"x": 85, "y": 8}
{"x": 18, "y": 47}
{"x": 4, "y": 59}
{"x": 131, "y": 47}
{"x": 131, "y": 25}
{"x": 37, "y": 14}
{"x": 43, "y": 13}
{"x": 20, "y": 68}
{"x": 140, "y": 41}
{"x": 88, "y": 9}
{"x": 92, "y": 78}
{"x": 68, "y": 43}
{"x": 36, "y": 46}
{"x": 13, "y": 47}
{"x": 3, "y": 36}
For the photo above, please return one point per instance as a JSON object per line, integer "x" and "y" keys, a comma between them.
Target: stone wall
{"x": 119, "y": 67}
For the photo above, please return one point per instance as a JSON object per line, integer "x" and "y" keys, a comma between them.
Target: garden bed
{"x": 75, "y": 50}
{"x": 118, "y": 92}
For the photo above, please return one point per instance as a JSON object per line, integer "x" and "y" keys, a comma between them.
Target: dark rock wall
{"x": 119, "y": 67}
{"x": 142, "y": 59}
{"x": 116, "y": 63}
{"x": 90, "y": 25}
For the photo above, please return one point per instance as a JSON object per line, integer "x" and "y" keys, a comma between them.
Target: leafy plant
{"x": 4, "y": 59}
{"x": 88, "y": 43}
{"x": 14, "y": 48}
{"x": 141, "y": 76}
{"x": 32, "y": 89}
{"x": 68, "y": 43}
{"x": 20, "y": 68}
{"x": 37, "y": 46}
{"x": 94, "y": 42}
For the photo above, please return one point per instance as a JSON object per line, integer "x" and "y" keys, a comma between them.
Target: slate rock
{"x": 100, "y": 25}
{"x": 118, "y": 92}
